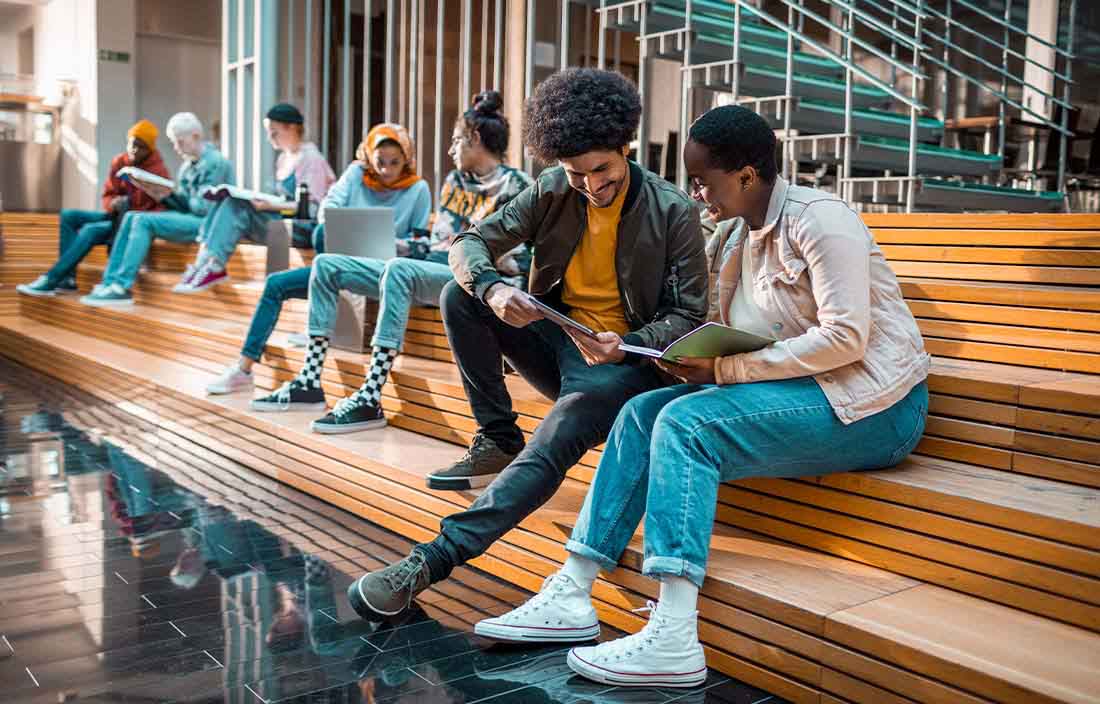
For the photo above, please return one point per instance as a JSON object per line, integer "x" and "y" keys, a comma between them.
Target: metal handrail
{"x": 1011, "y": 27}
{"x": 996, "y": 93}
{"x": 996, "y": 44}
{"x": 829, "y": 54}
{"x": 889, "y": 13}
{"x": 871, "y": 21}
{"x": 993, "y": 67}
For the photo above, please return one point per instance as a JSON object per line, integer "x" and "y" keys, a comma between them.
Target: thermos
{"x": 303, "y": 202}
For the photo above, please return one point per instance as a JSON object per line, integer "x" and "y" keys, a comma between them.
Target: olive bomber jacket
{"x": 660, "y": 261}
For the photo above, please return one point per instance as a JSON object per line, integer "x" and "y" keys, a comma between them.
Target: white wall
{"x": 65, "y": 74}
{"x": 177, "y": 75}
{"x": 14, "y": 20}
{"x": 116, "y": 22}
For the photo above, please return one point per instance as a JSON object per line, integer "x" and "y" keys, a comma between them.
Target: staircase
{"x": 852, "y": 119}
{"x": 969, "y": 573}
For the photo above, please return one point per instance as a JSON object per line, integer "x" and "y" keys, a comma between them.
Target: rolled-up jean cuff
{"x": 582, "y": 550}
{"x": 391, "y": 343}
{"x": 675, "y": 566}
{"x": 320, "y": 332}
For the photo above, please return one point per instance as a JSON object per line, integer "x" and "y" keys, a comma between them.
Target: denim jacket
{"x": 836, "y": 307}
{"x": 210, "y": 169}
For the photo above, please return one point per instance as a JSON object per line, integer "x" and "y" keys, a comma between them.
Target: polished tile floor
{"x": 137, "y": 567}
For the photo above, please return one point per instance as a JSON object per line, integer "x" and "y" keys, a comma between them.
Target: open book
{"x": 224, "y": 190}
{"x": 133, "y": 173}
{"x": 560, "y": 318}
{"x": 710, "y": 340}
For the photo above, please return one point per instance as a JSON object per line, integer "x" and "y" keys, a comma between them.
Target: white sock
{"x": 679, "y": 596}
{"x": 581, "y": 570}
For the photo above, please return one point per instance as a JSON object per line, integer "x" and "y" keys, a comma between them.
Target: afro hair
{"x": 737, "y": 137}
{"x": 579, "y": 110}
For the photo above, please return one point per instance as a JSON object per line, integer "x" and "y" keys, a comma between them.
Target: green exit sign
{"x": 122, "y": 57}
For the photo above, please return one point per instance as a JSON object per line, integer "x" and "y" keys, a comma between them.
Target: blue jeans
{"x": 397, "y": 285}
{"x": 227, "y": 222}
{"x": 671, "y": 448}
{"x": 135, "y": 236}
{"x": 293, "y": 283}
{"x": 280, "y": 286}
{"x": 80, "y": 231}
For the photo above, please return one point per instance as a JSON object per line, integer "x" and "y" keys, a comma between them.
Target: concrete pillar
{"x": 515, "y": 53}
{"x": 1042, "y": 21}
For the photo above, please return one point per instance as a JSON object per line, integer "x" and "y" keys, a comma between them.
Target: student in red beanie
{"x": 83, "y": 229}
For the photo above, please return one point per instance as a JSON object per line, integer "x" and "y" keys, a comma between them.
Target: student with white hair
{"x": 203, "y": 166}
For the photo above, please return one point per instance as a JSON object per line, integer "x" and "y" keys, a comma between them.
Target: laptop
{"x": 360, "y": 232}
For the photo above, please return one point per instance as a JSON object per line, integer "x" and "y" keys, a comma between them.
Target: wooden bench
{"x": 812, "y": 581}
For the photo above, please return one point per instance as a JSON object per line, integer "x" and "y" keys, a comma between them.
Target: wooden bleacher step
{"x": 771, "y": 608}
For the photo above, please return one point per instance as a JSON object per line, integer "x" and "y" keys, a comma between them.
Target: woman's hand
{"x": 691, "y": 370}
{"x": 262, "y": 206}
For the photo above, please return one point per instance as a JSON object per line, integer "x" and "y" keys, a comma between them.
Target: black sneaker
{"x": 349, "y": 416}
{"x": 39, "y": 287}
{"x": 479, "y": 466}
{"x": 390, "y": 590}
{"x": 67, "y": 285}
{"x": 291, "y": 396}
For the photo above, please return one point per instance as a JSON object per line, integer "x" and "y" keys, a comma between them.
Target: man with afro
{"x": 616, "y": 248}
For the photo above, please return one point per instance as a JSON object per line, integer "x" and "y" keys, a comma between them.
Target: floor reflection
{"x": 138, "y": 567}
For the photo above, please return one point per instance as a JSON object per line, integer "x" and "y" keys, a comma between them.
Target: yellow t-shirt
{"x": 590, "y": 286}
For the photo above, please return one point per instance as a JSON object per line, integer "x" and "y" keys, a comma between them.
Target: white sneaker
{"x": 297, "y": 339}
{"x": 230, "y": 381}
{"x": 666, "y": 653}
{"x": 560, "y": 612}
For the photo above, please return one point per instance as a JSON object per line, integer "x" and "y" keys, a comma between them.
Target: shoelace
{"x": 403, "y": 577}
{"x": 344, "y": 405}
{"x": 539, "y": 600}
{"x": 627, "y": 646}
{"x": 282, "y": 395}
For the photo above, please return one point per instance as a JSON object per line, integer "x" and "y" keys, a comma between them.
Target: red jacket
{"x": 115, "y": 186}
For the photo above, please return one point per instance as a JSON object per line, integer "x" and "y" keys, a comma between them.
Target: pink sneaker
{"x": 204, "y": 278}
{"x": 185, "y": 281}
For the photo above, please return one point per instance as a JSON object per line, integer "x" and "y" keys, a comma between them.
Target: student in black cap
{"x": 298, "y": 162}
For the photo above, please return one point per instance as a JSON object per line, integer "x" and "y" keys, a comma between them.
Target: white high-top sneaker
{"x": 666, "y": 653}
{"x": 560, "y": 612}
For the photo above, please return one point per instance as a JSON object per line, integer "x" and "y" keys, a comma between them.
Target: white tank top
{"x": 744, "y": 313}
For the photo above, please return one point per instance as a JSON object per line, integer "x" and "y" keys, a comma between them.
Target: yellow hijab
{"x": 377, "y": 135}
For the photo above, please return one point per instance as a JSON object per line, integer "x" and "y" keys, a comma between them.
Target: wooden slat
{"x": 1036, "y": 318}
{"x": 1034, "y": 295}
{"x": 994, "y": 255}
{"x": 989, "y": 645}
{"x": 1040, "y": 222}
{"x": 1062, "y": 275}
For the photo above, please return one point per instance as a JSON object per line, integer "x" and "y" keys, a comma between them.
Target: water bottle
{"x": 303, "y": 202}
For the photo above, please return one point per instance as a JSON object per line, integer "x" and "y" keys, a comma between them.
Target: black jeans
{"x": 587, "y": 399}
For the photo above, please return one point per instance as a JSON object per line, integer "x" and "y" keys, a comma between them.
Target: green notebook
{"x": 710, "y": 340}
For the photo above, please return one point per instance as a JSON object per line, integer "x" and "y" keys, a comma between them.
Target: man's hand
{"x": 120, "y": 204}
{"x": 603, "y": 350}
{"x": 512, "y": 305}
{"x": 691, "y": 370}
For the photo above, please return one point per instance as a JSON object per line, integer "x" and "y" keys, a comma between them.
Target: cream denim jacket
{"x": 834, "y": 303}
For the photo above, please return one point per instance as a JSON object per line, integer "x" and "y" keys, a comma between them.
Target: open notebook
{"x": 223, "y": 191}
{"x": 710, "y": 340}
{"x": 133, "y": 173}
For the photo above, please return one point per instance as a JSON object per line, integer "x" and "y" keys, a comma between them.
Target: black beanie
{"x": 285, "y": 112}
